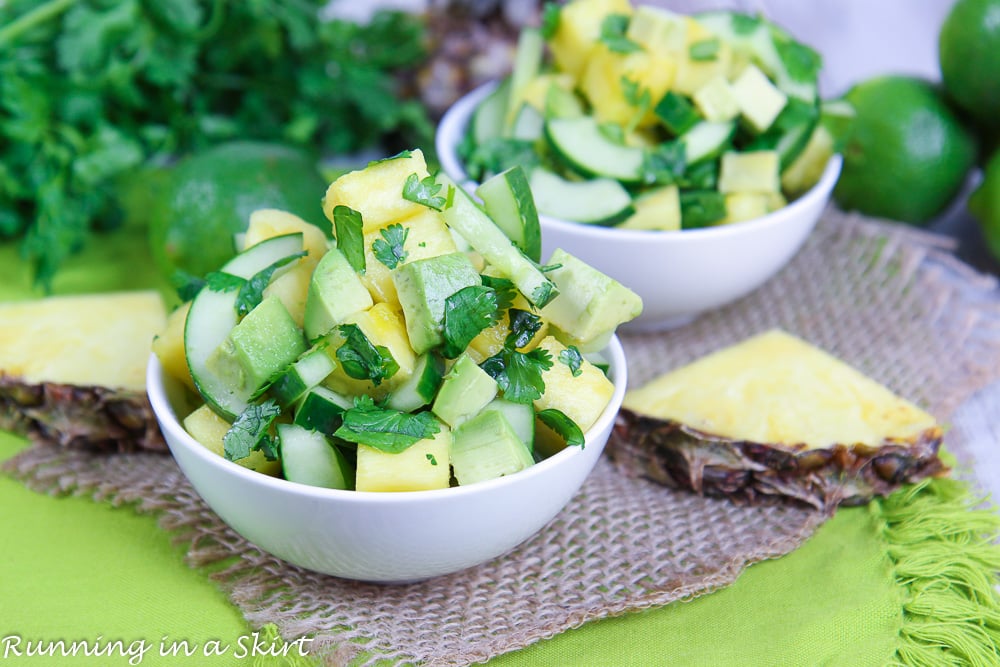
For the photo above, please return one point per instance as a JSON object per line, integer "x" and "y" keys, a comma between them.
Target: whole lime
{"x": 907, "y": 154}
{"x": 208, "y": 197}
{"x": 969, "y": 55}
{"x": 984, "y": 205}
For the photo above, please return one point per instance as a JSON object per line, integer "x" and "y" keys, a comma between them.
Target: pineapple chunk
{"x": 426, "y": 236}
{"x": 745, "y": 206}
{"x": 536, "y": 91}
{"x": 582, "y": 397}
{"x": 693, "y": 74}
{"x": 168, "y": 345}
{"x": 376, "y": 191}
{"x": 98, "y": 340}
{"x": 579, "y": 30}
{"x": 423, "y": 466}
{"x": 751, "y": 171}
{"x": 716, "y": 100}
{"x": 268, "y": 223}
{"x": 382, "y": 326}
{"x": 603, "y": 84}
{"x": 656, "y": 209}
{"x": 209, "y": 429}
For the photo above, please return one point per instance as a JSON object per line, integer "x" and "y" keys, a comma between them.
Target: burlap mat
{"x": 889, "y": 300}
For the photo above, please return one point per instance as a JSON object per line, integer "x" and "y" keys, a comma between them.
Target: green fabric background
{"x": 71, "y": 568}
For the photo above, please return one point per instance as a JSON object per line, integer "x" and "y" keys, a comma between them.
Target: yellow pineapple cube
{"x": 427, "y": 236}
{"x": 658, "y": 208}
{"x": 745, "y": 206}
{"x": 209, "y": 429}
{"x": 168, "y": 345}
{"x": 269, "y": 222}
{"x": 377, "y": 190}
{"x": 604, "y": 79}
{"x": 582, "y": 397}
{"x": 382, "y": 325}
{"x": 423, "y": 466}
{"x": 579, "y": 31}
{"x": 693, "y": 74}
{"x": 536, "y": 91}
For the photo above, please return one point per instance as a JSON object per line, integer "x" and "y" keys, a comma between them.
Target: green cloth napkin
{"x": 907, "y": 580}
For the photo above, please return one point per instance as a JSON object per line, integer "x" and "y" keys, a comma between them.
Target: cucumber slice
{"x": 421, "y": 387}
{"x": 707, "y": 140}
{"x": 465, "y": 217}
{"x": 322, "y": 410}
{"x": 600, "y": 201}
{"x": 528, "y": 124}
{"x": 508, "y": 201}
{"x": 581, "y": 144}
{"x": 213, "y": 316}
{"x": 520, "y": 416}
{"x": 488, "y": 119}
{"x": 307, "y": 457}
{"x": 676, "y": 113}
{"x": 701, "y": 208}
{"x": 527, "y": 63}
{"x": 310, "y": 370}
{"x": 562, "y": 103}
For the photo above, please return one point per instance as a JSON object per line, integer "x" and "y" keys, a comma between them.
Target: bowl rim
{"x": 168, "y": 420}
{"x": 455, "y": 120}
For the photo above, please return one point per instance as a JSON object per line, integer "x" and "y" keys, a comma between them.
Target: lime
{"x": 969, "y": 55}
{"x": 907, "y": 154}
{"x": 208, "y": 197}
{"x": 984, "y": 205}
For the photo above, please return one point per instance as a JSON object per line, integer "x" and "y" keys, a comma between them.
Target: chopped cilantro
{"x": 519, "y": 374}
{"x": 383, "y": 428}
{"x": 249, "y": 433}
{"x": 744, "y": 24}
{"x": 348, "y": 227}
{"x": 613, "y": 29}
{"x": 400, "y": 154}
{"x": 252, "y": 291}
{"x": 187, "y": 285}
{"x": 571, "y": 357}
{"x": 389, "y": 249}
{"x": 523, "y": 327}
{"x": 706, "y": 49}
{"x": 466, "y": 313}
{"x": 636, "y": 96}
{"x": 425, "y": 192}
{"x": 363, "y": 361}
{"x": 504, "y": 287}
{"x": 563, "y": 426}
{"x": 217, "y": 281}
{"x": 496, "y": 155}
{"x": 664, "y": 164}
{"x": 432, "y": 459}
{"x": 800, "y": 61}
{"x": 550, "y": 19}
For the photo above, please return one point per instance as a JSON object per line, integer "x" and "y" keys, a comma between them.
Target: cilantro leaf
{"x": 613, "y": 29}
{"x": 425, "y": 192}
{"x": 218, "y": 281}
{"x": 249, "y": 433}
{"x": 550, "y": 19}
{"x": 571, "y": 357}
{"x": 800, "y": 61}
{"x": 504, "y": 288}
{"x": 637, "y": 96}
{"x": 389, "y": 249}
{"x": 432, "y": 459}
{"x": 495, "y": 155}
{"x": 466, "y": 313}
{"x": 187, "y": 285}
{"x": 664, "y": 164}
{"x": 563, "y": 426}
{"x": 385, "y": 429}
{"x": 362, "y": 360}
{"x": 349, "y": 229}
{"x": 252, "y": 291}
{"x": 400, "y": 154}
{"x": 523, "y": 327}
{"x": 706, "y": 49}
{"x": 519, "y": 374}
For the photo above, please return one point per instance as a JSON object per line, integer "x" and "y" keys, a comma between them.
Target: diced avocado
{"x": 307, "y": 372}
{"x": 258, "y": 348}
{"x": 745, "y": 206}
{"x": 758, "y": 99}
{"x": 520, "y": 416}
{"x": 486, "y": 447}
{"x": 423, "y": 466}
{"x": 465, "y": 390}
{"x": 590, "y": 305}
{"x": 752, "y": 171}
{"x": 423, "y": 286}
{"x": 716, "y": 100}
{"x": 659, "y": 208}
{"x": 307, "y": 457}
{"x": 209, "y": 429}
{"x": 335, "y": 293}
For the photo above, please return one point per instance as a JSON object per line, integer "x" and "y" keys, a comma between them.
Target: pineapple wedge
{"x": 775, "y": 416}
{"x": 72, "y": 369}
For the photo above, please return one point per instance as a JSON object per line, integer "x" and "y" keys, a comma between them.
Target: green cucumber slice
{"x": 520, "y": 416}
{"x": 527, "y": 63}
{"x": 307, "y": 372}
{"x": 508, "y": 201}
{"x": 321, "y": 409}
{"x": 581, "y": 144}
{"x": 488, "y": 119}
{"x": 528, "y": 125}
{"x": 600, "y": 201}
{"x": 213, "y": 316}
{"x": 421, "y": 387}
{"x": 707, "y": 140}
{"x": 307, "y": 457}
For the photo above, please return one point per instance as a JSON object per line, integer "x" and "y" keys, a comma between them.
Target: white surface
{"x": 386, "y": 537}
{"x": 677, "y": 274}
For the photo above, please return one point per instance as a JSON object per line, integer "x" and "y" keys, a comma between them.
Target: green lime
{"x": 984, "y": 205}
{"x": 208, "y": 197}
{"x": 969, "y": 55}
{"x": 907, "y": 154}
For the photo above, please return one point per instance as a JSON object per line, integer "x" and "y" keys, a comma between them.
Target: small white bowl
{"x": 678, "y": 275}
{"x": 383, "y": 537}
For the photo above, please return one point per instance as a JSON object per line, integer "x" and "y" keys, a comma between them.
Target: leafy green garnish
{"x": 249, "y": 433}
{"x": 348, "y": 227}
{"x": 385, "y": 429}
{"x": 519, "y": 374}
{"x": 744, "y": 24}
{"x": 186, "y": 285}
{"x": 563, "y": 426}
{"x": 252, "y": 291}
{"x": 636, "y": 96}
{"x": 543, "y": 293}
{"x": 523, "y": 327}
{"x": 432, "y": 459}
{"x": 466, "y": 313}
{"x": 573, "y": 359}
{"x": 700, "y": 208}
{"x": 664, "y": 164}
{"x": 613, "y": 29}
{"x": 389, "y": 249}
{"x": 220, "y": 281}
{"x": 706, "y": 49}
{"x": 425, "y": 192}
{"x": 550, "y": 19}
{"x": 801, "y": 62}
{"x": 400, "y": 154}
{"x": 363, "y": 361}
{"x": 504, "y": 288}
{"x": 496, "y": 155}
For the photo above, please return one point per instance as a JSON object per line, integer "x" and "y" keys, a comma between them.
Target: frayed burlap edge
{"x": 888, "y": 299}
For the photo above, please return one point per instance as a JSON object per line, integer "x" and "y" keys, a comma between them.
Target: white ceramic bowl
{"x": 383, "y": 537}
{"x": 678, "y": 274}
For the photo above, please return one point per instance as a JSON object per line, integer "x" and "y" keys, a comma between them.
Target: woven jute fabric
{"x": 888, "y": 300}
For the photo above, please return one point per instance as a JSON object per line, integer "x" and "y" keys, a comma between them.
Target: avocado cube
{"x": 335, "y": 293}
{"x": 751, "y": 171}
{"x": 716, "y": 101}
{"x": 590, "y": 304}
{"x": 423, "y": 286}
{"x": 486, "y": 447}
{"x": 465, "y": 390}
{"x": 262, "y": 345}
{"x": 758, "y": 99}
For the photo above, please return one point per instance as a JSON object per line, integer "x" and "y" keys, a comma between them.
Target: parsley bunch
{"x": 90, "y": 90}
